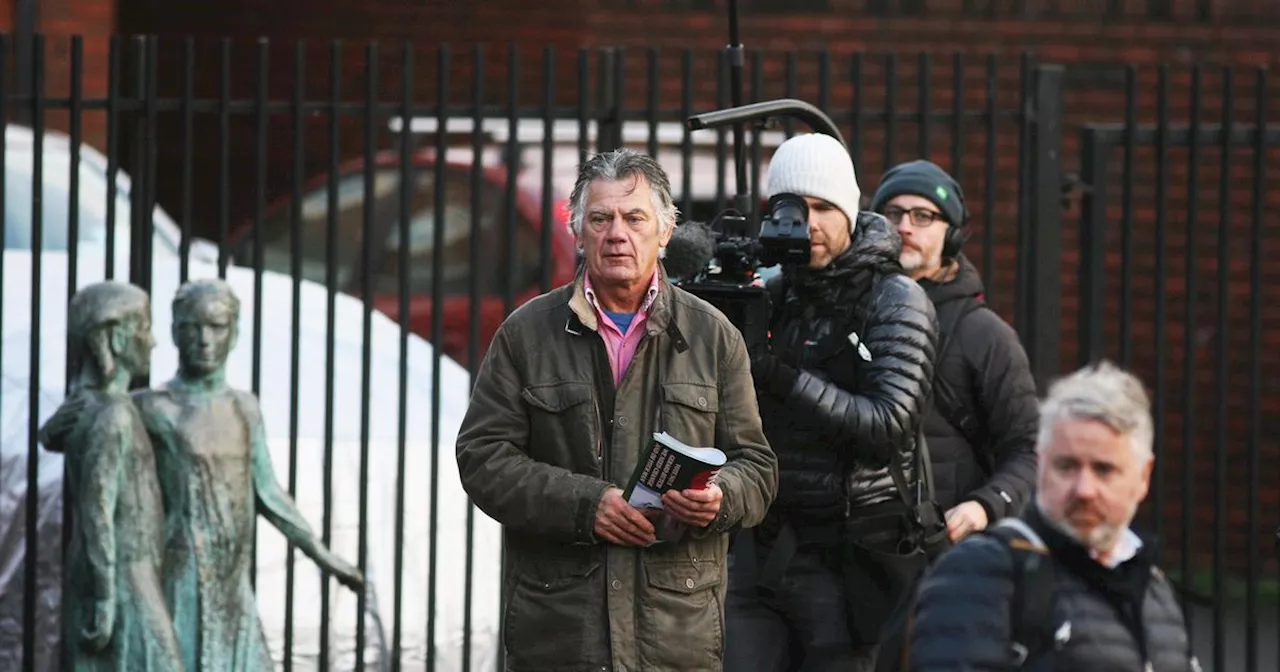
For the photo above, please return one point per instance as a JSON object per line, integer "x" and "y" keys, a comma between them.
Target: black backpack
{"x": 1031, "y": 616}
{"x": 950, "y": 405}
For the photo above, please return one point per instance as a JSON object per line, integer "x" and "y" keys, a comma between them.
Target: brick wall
{"x": 95, "y": 20}
{"x": 1095, "y": 52}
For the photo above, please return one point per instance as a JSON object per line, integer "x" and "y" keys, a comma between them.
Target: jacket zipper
{"x": 604, "y": 466}
{"x": 603, "y": 378}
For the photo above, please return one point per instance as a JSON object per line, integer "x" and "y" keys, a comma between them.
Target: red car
{"x": 524, "y": 272}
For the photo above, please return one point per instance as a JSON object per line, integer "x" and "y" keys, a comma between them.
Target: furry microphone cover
{"x": 690, "y": 249}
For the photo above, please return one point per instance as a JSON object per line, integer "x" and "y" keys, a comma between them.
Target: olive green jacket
{"x": 547, "y": 433}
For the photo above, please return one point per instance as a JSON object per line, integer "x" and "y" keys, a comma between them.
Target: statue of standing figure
{"x": 114, "y": 613}
{"x": 216, "y": 475}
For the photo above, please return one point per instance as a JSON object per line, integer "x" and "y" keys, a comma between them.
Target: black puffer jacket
{"x": 1104, "y": 620}
{"x": 852, "y": 365}
{"x": 986, "y": 371}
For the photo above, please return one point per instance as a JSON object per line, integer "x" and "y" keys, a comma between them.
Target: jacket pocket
{"x": 689, "y": 412}
{"x": 681, "y": 620}
{"x": 555, "y": 615}
{"x": 562, "y": 426}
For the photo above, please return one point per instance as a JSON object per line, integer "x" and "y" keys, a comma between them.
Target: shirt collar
{"x": 1126, "y": 549}
{"x": 650, "y": 294}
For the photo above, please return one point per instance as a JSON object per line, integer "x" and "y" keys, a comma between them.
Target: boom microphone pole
{"x": 720, "y": 263}
{"x": 737, "y": 59}
{"x": 782, "y": 107}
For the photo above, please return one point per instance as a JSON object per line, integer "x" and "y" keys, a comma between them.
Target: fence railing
{"x": 1206, "y": 365}
{"x": 380, "y": 209}
{"x": 1214, "y": 12}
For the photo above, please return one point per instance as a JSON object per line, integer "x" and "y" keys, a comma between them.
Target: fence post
{"x": 25, "y": 18}
{"x": 1092, "y": 275}
{"x": 141, "y": 201}
{"x": 608, "y": 100}
{"x": 1045, "y": 277}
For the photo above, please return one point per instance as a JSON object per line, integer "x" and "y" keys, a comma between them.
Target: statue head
{"x": 109, "y": 333}
{"x": 206, "y": 323}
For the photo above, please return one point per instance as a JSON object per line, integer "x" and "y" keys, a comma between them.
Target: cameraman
{"x": 841, "y": 386}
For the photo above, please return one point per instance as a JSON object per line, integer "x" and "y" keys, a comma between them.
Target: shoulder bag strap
{"x": 1031, "y": 611}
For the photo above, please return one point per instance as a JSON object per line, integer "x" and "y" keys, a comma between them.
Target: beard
{"x": 1100, "y": 538}
{"x": 911, "y": 259}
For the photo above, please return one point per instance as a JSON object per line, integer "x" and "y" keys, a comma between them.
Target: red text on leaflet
{"x": 702, "y": 480}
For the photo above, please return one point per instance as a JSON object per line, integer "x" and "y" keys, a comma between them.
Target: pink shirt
{"x": 621, "y": 347}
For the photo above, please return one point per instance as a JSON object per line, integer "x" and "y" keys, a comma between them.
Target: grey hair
{"x": 617, "y": 165}
{"x": 1104, "y": 393}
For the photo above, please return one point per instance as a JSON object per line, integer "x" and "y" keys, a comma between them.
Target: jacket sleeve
{"x": 749, "y": 479}
{"x": 1006, "y": 397}
{"x": 962, "y": 611}
{"x": 522, "y": 494}
{"x": 882, "y": 414}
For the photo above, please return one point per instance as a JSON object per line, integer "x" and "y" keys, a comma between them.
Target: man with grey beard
{"x": 981, "y": 426}
{"x": 1108, "y": 606}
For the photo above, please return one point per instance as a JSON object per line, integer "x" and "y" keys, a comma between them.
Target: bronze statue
{"x": 114, "y": 613}
{"x": 215, "y": 471}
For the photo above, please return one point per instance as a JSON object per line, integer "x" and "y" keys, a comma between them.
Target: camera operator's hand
{"x": 770, "y": 372}
{"x": 763, "y": 362}
{"x": 759, "y": 351}
{"x": 763, "y": 365}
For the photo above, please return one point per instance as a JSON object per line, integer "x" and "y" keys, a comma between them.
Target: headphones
{"x": 956, "y": 235}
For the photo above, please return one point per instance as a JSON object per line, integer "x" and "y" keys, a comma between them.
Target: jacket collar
{"x": 967, "y": 283}
{"x": 583, "y": 316}
{"x": 1134, "y": 548}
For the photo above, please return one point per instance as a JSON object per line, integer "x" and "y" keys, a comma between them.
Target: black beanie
{"x": 925, "y": 179}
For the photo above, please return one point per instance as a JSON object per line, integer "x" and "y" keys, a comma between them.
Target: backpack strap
{"x": 949, "y": 404}
{"x": 1031, "y": 611}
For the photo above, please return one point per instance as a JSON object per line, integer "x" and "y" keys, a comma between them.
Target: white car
{"x": 55, "y": 187}
{"x": 277, "y": 340}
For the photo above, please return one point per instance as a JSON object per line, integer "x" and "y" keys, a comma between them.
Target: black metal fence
{"x": 341, "y": 187}
{"x": 1249, "y": 12}
{"x": 1193, "y": 312}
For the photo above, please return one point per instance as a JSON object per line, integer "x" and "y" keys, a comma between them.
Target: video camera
{"x": 721, "y": 263}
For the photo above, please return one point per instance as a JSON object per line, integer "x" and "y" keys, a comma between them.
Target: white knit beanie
{"x": 815, "y": 165}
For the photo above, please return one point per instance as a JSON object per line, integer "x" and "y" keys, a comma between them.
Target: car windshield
{"x": 277, "y": 254}
{"x": 388, "y": 255}
{"x": 55, "y": 203}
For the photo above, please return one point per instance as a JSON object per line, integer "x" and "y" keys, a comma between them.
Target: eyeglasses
{"x": 920, "y": 217}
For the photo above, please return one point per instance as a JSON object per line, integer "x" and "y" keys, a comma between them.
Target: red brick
{"x": 94, "y": 20}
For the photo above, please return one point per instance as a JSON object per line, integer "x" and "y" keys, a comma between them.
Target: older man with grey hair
{"x": 569, "y": 396}
{"x": 1068, "y": 585}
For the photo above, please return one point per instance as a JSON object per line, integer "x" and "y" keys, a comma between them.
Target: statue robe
{"x": 215, "y": 472}
{"x": 117, "y": 539}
